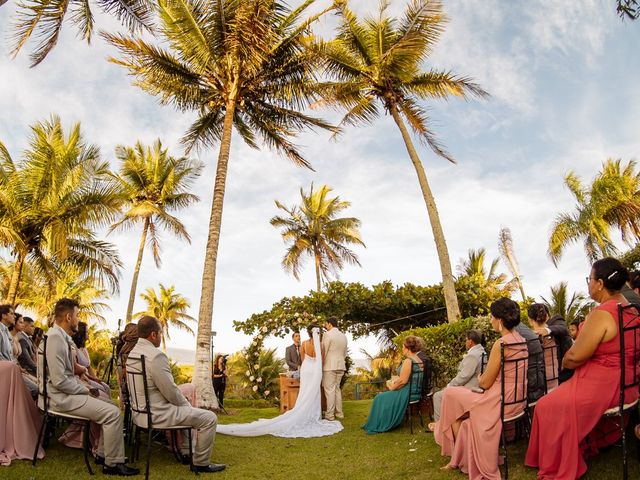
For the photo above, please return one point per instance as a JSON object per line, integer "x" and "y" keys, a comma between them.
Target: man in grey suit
{"x": 67, "y": 394}
{"x": 334, "y": 352}
{"x": 292, "y": 355}
{"x": 468, "y": 370}
{"x": 169, "y": 407}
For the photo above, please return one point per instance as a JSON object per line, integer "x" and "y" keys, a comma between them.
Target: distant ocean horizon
{"x": 186, "y": 356}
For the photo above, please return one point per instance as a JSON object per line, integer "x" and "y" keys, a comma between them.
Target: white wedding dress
{"x": 304, "y": 419}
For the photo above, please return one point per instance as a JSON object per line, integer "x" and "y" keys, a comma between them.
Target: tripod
{"x": 106, "y": 376}
{"x": 213, "y": 334}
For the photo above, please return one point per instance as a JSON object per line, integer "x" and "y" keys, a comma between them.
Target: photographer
{"x": 220, "y": 377}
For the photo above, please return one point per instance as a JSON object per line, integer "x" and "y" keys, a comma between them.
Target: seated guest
{"x": 539, "y": 319}
{"x": 631, "y": 289}
{"x": 7, "y": 319}
{"x": 574, "y": 327}
{"x": 83, "y": 360}
{"x": 535, "y": 374}
{"x": 292, "y": 355}
{"x": 564, "y": 418}
{"x": 68, "y": 394}
{"x": 169, "y": 407}
{"x": 10, "y": 349}
{"x": 124, "y": 344}
{"x": 27, "y": 358}
{"x": 468, "y": 370}
{"x": 388, "y": 408}
{"x": 469, "y": 428}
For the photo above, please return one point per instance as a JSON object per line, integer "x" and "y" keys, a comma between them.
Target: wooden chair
{"x": 139, "y": 404}
{"x": 48, "y": 412}
{"x": 518, "y": 364}
{"x": 415, "y": 401}
{"x": 629, "y": 336}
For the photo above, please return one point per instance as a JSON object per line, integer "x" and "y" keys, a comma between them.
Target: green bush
{"x": 444, "y": 344}
{"x": 181, "y": 373}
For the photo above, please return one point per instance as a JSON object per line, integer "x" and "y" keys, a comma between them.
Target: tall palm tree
{"x": 43, "y": 20}
{"x": 237, "y": 64}
{"x": 51, "y": 201}
{"x": 570, "y": 309}
{"x": 377, "y": 62}
{"x": 153, "y": 184}
{"x": 505, "y": 245}
{"x": 169, "y": 307}
{"x": 611, "y": 201}
{"x": 313, "y": 229}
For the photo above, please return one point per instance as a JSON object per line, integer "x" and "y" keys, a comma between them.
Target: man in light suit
{"x": 67, "y": 394}
{"x": 334, "y": 351}
{"x": 169, "y": 407}
{"x": 292, "y": 356}
{"x": 468, "y": 370}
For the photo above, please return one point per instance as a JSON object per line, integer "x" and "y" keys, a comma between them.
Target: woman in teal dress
{"x": 388, "y": 408}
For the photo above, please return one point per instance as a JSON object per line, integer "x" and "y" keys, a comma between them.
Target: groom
{"x": 334, "y": 351}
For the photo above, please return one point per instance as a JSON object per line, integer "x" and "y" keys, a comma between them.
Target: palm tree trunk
{"x": 202, "y": 373}
{"x": 136, "y": 272}
{"x": 15, "y": 279}
{"x": 318, "y": 280}
{"x": 448, "y": 285}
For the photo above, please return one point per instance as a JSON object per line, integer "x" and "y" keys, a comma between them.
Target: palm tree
{"x": 313, "y": 229}
{"x": 169, "y": 307}
{"x": 474, "y": 266}
{"x": 612, "y": 200}
{"x": 43, "y": 20}
{"x": 69, "y": 282}
{"x": 237, "y": 64}
{"x": 49, "y": 203}
{"x": 378, "y": 62}
{"x": 153, "y": 184}
{"x": 570, "y": 309}
{"x": 505, "y": 245}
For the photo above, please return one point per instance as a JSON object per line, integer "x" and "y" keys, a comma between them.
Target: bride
{"x": 304, "y": 419}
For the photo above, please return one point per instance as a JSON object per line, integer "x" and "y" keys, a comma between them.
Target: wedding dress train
{"x": 304, "y": 419}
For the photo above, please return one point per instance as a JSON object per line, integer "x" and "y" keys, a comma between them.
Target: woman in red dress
{"x": 565, "y": 417}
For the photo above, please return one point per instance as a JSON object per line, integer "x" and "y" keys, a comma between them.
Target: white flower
{"x": 252, "y": 378}
{"x": 255, "y": 388}
{"x": 256, "y": 366}
{"x": 259, "y": 379}
{"x": 254, "y": 343}
{"x": 260, "y": 336}
{"x": 264, "y": 329}
{"x": 247, "y": 373}
{"x": 267, "y": 392}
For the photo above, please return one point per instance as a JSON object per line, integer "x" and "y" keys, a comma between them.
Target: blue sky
{"x": 563, "y": 79}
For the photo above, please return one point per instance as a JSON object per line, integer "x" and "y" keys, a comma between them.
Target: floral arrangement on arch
{"x": 261, "y": 375}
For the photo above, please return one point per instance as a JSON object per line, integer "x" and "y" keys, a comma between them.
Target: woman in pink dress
{"x": 564, "y": 418}
{"x": 469, "y": 427}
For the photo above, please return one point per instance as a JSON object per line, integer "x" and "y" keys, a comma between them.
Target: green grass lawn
{"x": 351, "y": 454}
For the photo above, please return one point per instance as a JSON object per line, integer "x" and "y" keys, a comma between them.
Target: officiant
{"x": 292, "y": 356}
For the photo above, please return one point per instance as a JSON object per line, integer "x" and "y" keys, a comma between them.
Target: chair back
{"x": 43, "y": 375}
{"x": 427, "y": 374}
{"x": 138, "y": 388}
{"x": 629, "y": 335}
{"x": 514, "y": 361}
{"x": 551, "y": 365}
{"x": 483, "y": 362}
{"x": 416, "y": 382}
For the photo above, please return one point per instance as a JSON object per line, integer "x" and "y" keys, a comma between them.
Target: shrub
{"x": 444, "y": 344}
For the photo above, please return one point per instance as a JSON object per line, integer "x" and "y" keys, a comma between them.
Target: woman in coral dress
{"x": 564, "y": 418}
{"x": 470, "y": 426}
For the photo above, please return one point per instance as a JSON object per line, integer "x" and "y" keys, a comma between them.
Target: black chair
{"x": 48, "y": 412}
{"x": 629, "y": 335}
{"x": 550, "y": 350}
{"x": 428, "y": 378}
{"x": 138, "y": 395}
{"x": 540, "y": 375}
{"x": 519, "y": 364}
{"x": 415, "y": 385}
